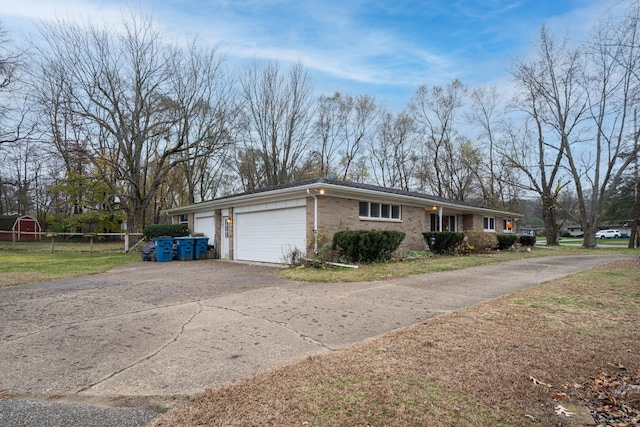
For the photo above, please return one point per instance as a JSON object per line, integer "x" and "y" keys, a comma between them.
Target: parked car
{"x": 608, "y": 234}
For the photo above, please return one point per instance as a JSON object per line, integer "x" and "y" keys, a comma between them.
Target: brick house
{"x": 265, "y": 225}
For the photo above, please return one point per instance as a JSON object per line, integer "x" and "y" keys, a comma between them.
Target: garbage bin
{"x": 201, "y": 245}
{"x": 164, "y": 249}
{"x": 185, "y": 248}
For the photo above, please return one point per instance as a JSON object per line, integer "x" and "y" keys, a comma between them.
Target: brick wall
{"x": 336, "y": 214}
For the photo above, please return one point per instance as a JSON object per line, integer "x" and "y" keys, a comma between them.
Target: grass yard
{"x": 515, "y": 361}
{"x": 424, "y": 263}
{"x": 623, "y": 243}
{"x": 21, "y": 267}
{"x": 63, "y": 246}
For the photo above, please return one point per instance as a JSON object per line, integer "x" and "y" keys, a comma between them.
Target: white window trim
{"x": 505, "y": 222}
{"x": 491, "y": 219}
{"x": 381, "y": 219}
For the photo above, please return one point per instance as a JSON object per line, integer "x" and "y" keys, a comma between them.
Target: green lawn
{"x": 63, "y": 246}
{"x": 21, "y": 267}
{"x": 541, "y": 241}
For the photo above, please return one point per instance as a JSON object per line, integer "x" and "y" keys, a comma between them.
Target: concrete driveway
{"x": 164, "y": 329}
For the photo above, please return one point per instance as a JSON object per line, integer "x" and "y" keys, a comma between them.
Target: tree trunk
{"x": 589, "y": 240}
{"x": 634, "y": 238}
{"x": 550, "y": 216}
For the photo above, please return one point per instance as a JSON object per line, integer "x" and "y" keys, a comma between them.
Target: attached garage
{"x": 269, "y": 235}
{"x": 205, "y": 223}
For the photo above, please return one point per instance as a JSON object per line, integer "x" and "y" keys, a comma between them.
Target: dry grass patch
{"x": 427, "y": 263}
{"x": 497, "y": 363}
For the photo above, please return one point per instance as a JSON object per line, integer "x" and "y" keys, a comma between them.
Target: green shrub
{"x": 505, "y": 241}
{"x": 526, "y": 240}
{"x": 366, "y": 245}
{"x": 445, "y": 242}
{"x": 165, "y": 230}
{"x": 481, "y": 240}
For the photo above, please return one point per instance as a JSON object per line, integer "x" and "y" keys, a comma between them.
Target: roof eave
{"x": 328, "y": 190}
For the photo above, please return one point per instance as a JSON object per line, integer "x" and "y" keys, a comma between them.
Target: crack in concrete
{"x": 80, "y": 322}
{"x": 280, "y": 324}
{"x": 148, "y": 357}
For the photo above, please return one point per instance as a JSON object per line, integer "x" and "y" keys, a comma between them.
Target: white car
{"x": 608, "y": 234}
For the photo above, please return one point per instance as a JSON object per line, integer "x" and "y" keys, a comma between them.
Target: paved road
{"x": 166, "y": 329}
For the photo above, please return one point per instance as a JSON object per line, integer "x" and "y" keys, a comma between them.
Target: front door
{"x": 224, "y": 238}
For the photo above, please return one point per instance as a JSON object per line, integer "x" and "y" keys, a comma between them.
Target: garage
{"x": 205, "y": 223}
{"x": 270, "y": 235}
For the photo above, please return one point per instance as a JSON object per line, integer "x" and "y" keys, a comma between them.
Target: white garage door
{"x": 268, "y": 236}
{"x": 205, "y": 224}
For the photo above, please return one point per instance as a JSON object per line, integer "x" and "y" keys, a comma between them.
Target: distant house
{"x": 267, "y": 224}
{"x": 25, "y": 228}
{"x": 575, "y": 230}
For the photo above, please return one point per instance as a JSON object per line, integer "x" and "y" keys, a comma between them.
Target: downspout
{"x": 315, "y": 221}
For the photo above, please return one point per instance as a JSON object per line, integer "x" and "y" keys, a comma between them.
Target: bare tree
{"x": 205, "y": 110}
{"x": 443, "y": 170}
{"x": 393, "y": 152}
{"x": 597, "y": 163}
{"x": 357, "y": 120}
{"x": 9, "y": 62}
{"x": 495, "y": 178}
{"x": 554, "y": 99}
{"x": 129, "y": 92}
{"x": 276, "y": 119}
{"x": 327, "y": 134}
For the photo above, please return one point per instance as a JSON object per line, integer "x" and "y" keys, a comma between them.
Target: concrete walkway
{"x": 165, "y": 329}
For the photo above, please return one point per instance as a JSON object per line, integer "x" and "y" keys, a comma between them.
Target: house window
{"x": 373, "y": 210}
{"x": 184, "y": 219}
{"x": 448, "y": 222}
{"x": 489, "y": 223}
{"x": 364, "y": 209}
{"x": 451, "y": 220}
{"x": 507, "y": 225}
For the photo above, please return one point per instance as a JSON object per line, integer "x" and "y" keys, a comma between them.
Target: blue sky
{"x": 385, "y": 48}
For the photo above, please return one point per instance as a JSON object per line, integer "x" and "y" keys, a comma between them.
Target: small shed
{"x": 25, "y": 227}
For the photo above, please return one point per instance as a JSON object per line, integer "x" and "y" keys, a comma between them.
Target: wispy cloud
{"x": 377, "y": 45}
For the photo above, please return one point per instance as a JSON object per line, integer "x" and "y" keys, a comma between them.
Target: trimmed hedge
{"x": 505, "y": 241}
{"x": 527, "y": 240}
{"x": 367, "y": 245}
{"x": 165, "y": 230}
{"x": 445, "y": 242}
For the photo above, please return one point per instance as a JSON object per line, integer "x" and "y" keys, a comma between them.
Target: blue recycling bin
{"x": 164, "y": 249}
{"x": 201, "y": 245}
{"x": 184, "y": 245}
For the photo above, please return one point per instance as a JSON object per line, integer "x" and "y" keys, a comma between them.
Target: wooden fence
{"x": 78, "y": 238}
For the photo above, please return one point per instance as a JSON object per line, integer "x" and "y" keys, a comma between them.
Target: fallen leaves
{"x": 615, "y": 399}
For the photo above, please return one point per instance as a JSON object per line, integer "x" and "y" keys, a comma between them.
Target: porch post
{"x": 440, "y": 218}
